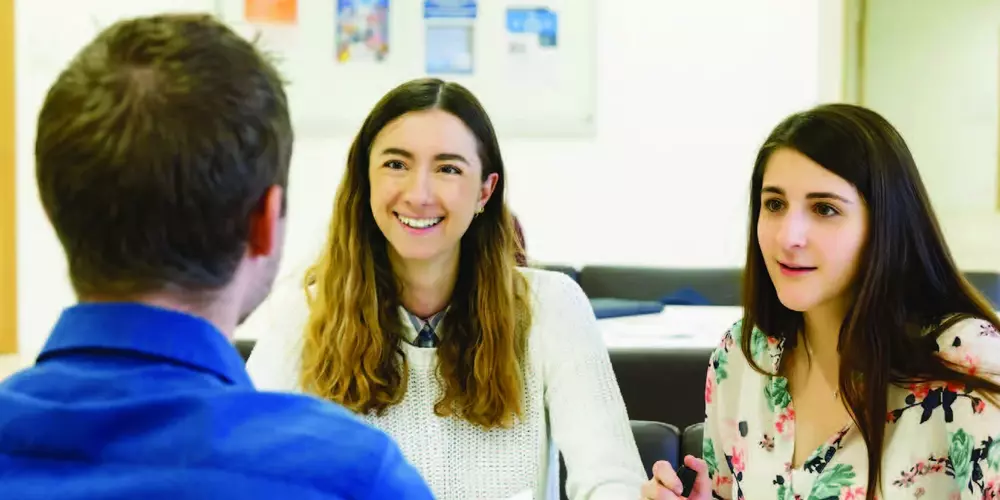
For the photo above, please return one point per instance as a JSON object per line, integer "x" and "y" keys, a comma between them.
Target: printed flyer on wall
{"x": 271, "y": 11}
{"x": 532, "y": 41}
{"x": 274, "y": 23}
{"x": 362, "y": 30}
{"x": 450, "y": 36}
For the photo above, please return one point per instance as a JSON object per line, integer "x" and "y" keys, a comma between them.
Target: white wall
{"x": 688, "y": 91}
{"x": 932, "y": 69}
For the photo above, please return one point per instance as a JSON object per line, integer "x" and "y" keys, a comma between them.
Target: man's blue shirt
{"x": 128, "y": 401}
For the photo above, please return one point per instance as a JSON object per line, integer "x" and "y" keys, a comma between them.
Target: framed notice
{"x": 449, "y": 36}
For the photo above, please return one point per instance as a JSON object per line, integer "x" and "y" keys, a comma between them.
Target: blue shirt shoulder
{"x": 128, "y": 401}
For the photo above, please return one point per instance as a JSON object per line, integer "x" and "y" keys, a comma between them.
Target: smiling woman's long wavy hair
{"x": 907, "y": 279}
{"x": 351, "y": 352}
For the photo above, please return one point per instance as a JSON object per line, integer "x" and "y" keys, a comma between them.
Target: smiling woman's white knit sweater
{"x": 572, "y": 403}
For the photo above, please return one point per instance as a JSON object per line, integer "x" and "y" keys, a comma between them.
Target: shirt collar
{"x": 152, "y": 331}
{"x": 418, "y": 323}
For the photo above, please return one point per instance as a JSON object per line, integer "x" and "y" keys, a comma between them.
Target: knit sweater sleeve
{"x": 589, "y": 423}
{"x": 277, "y": 325}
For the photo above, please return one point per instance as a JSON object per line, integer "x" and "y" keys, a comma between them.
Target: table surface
{"x": 675, "y": 327}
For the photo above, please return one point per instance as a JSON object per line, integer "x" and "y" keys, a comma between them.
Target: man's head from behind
{"x": 162, "y": 158}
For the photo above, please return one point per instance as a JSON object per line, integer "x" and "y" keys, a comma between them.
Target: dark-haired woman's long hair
{"x": 907, "y": 280}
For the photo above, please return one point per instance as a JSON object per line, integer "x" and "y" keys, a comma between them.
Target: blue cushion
{"x": 685, "y": 297}
{"x": 614, "y": 308}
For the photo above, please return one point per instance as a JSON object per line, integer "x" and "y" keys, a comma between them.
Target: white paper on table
{"x": 675, "y": 327}
{"x": 699, "y": 321}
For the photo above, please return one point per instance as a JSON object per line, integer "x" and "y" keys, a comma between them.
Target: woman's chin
{"x": 796, "y": 302}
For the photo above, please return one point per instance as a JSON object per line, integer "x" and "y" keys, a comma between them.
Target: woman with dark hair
{"x": 865, "y": 365}
{"x": 416, "y": 318}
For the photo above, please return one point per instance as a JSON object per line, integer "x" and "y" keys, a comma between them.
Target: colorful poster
{"x": 362, "y": 30}
{"x": 450, "y": 36}
{"x": 271, "y": 11}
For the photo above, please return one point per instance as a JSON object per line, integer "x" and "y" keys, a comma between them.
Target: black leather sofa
{"x": 719, "y": 287}
{"x": 629, "y": 291}
{"x": 663, "y": 385}
{"x": 691, "y": 440}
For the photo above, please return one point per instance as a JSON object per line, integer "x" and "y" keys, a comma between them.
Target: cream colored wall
{"x": 688, "y": 91}
{"x": 933, "y": 69}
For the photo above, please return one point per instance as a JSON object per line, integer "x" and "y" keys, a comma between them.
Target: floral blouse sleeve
{"x": 719, "y": 464}
{"x": 972, "y": 421}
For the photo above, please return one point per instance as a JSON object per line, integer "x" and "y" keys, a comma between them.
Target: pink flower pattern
{"x": 853, "y": 493}
{"x": 958, "y": 424}
{"x": 785, "y": 423}
{"x": 992, "y": 491}
{"x": 739, "y": 460}
{"x": 709, "y": 385}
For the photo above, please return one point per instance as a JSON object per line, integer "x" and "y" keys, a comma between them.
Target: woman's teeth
{"x": 419, "y": 223}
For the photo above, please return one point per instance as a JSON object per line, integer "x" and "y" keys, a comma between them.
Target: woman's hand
{"x": 665, "y": 485}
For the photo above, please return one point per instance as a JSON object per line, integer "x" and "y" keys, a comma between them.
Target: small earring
{"x": 479, "y": 211}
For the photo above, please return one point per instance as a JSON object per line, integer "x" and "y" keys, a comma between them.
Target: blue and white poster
{"x": 533, "y": 29}
{"x": 450, "y": 9}
{"x": 532, "y": 44}
{"x": 450, "y": 36}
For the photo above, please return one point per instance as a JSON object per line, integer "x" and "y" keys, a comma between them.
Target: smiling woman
{"x": 8, "y": 164}
{"x": 417, "y": 318}
{"x": 427, "y": 185}
{"x": 859, "y": 333}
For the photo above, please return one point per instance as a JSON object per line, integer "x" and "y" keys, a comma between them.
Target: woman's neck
{"x": 426, "y": 285}
{"x": 821, "y": 331}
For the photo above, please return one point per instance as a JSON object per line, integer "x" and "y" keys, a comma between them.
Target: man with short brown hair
{"x": 162, "y": 157}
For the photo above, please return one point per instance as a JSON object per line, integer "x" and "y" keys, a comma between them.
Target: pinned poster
{"x": 271, "y": 11}
{"x": 362, "y": 30}
{"x": 450, "y": 36}
{"x": 273, "y": 23}
{"x": 532, "y": 41}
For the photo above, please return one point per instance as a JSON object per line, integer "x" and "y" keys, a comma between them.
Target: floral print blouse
{"x": 942, "y": 441}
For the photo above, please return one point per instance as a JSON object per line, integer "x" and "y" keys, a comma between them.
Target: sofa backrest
{"x": 721, "y": 287}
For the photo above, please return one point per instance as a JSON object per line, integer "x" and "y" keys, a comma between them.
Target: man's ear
{"x": 264, "y": 222}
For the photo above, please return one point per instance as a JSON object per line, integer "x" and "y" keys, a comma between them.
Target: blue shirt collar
{"x": 150, "y": 331}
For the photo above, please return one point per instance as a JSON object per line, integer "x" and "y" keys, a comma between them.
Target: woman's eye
{"x": 826, "y": 210}
{"x": 395, "y": 164}
{"x": 451, "y": 169}
{"x": 772, "y": 205}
